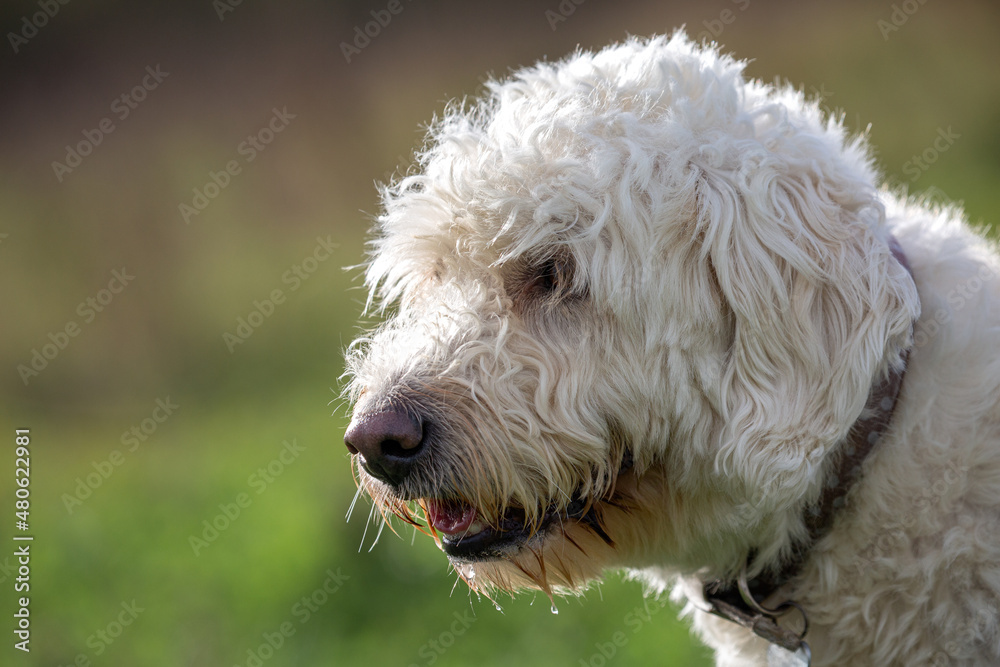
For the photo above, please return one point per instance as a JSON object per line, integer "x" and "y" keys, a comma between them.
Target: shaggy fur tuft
{"x": 634, "y": 304}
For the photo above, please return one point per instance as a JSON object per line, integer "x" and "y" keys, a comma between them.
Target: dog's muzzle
{"x": 393, "y": 447}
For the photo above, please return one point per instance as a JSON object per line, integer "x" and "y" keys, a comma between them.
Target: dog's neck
{"x": 740, "y": 601}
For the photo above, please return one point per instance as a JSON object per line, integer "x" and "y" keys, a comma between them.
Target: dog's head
{"x": 633, "y": 302}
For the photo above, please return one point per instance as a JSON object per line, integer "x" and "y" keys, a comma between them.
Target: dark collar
{"x": 740, "y": 601}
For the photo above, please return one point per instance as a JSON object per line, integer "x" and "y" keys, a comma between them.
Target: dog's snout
{"x": 389, "y": 441}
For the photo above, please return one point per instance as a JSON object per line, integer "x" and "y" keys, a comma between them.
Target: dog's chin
{"x": 558, "y": 548}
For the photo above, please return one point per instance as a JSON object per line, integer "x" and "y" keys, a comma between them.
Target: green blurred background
{"x": 113, "y": 517}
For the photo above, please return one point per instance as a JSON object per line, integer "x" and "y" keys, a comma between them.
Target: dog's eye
{"x": 553, "y": 276}
{"x": 548, "y": 279}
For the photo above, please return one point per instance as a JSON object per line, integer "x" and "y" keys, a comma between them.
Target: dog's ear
{"x": 818, "y": 307}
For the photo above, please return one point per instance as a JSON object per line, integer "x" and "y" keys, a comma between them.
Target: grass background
{"x": 161, "y": 337}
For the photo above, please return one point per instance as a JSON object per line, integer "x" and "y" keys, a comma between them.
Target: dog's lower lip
{"x": 484, "y": 543}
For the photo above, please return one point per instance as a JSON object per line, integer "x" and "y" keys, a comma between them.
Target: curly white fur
{"x": 717, "y": 298}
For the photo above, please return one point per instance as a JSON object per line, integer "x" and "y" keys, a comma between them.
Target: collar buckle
{"x": 742, "y": 608}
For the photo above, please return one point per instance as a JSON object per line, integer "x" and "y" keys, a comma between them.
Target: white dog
{"x": 647, "y": 314}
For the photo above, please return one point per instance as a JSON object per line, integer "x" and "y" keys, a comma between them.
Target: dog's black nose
{"x": 389, "y": 441}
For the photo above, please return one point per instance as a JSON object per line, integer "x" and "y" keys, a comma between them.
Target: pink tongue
{"x": 449, "y": 517}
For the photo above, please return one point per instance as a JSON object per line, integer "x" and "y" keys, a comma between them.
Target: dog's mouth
{"x": 465, "y": 536}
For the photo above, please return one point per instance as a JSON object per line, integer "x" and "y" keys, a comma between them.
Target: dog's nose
{"x": 389, "y": 441}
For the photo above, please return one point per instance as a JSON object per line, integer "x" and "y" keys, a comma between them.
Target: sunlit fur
{"x": 724, "y": 298}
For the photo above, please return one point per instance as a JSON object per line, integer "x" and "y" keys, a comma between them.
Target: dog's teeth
{"x": 474, "y": 528}
{"x": 477, "y": 526}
